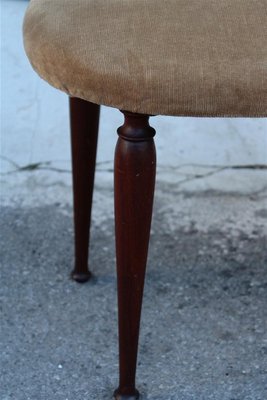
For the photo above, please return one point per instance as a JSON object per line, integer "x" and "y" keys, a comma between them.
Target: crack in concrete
{"x": 46, "y": 165}
{"x": 10, "y": 161}
{"x": 42, "y": 165}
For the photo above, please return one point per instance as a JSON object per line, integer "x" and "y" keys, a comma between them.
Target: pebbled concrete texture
{"x": 204, "y": 322}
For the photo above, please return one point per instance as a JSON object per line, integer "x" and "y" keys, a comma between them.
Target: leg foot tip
{"x": 134, "y": 396}
{"x": 80, "y": 277}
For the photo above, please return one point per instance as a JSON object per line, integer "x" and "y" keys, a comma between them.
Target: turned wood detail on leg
{"x": 84, "y": 120}
{"x": 135, "y": 164}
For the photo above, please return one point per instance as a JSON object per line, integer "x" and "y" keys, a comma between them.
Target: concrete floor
{"x": 204, "y": 327}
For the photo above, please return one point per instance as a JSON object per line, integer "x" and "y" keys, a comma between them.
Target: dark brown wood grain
{"x": 84, "y": 120}
{"x": 135, "y": 163}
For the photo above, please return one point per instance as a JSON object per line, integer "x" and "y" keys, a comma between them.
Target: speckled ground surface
{"x": 204, "y": 326}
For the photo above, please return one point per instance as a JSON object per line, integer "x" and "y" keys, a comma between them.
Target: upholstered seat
{"x": 174, "y": 57}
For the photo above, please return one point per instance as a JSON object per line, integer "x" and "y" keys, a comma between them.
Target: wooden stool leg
{"x": 84, "y": 119}
{"x": 135, "y": 162}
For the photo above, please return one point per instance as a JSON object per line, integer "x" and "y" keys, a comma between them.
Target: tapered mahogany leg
{"x": 84, "y": 119}
{"x": 135, "y": 162}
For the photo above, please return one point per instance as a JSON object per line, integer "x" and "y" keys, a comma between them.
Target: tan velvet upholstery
{"x": 174, "y": 57}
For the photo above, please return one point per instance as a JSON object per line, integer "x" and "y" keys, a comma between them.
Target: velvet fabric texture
{"x": 172, "y": 57}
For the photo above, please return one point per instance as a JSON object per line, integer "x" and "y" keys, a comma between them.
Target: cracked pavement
{"x": 204, "y": 323}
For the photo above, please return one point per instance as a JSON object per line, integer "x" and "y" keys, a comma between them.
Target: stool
{"x": 145, "y": 58}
